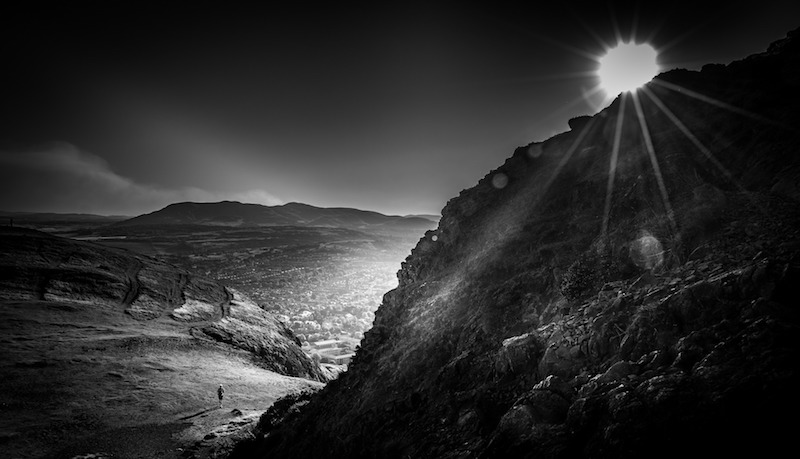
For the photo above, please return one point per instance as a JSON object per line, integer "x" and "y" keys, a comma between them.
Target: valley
{"x": 324, "y": 283}
{"x": 115, "y": 337}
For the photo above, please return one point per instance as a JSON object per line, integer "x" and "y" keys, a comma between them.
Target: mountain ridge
{"x": 234, "y": 213}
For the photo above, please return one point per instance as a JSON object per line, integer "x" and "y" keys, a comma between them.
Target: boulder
{"x": 519, "y": 353}
{"x": 617, "y": 372}
{"x": 579, "y": 122}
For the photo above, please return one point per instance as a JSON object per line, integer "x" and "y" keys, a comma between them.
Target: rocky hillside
{"x": 36, "y": 266}
{"x": 625, "y": 289}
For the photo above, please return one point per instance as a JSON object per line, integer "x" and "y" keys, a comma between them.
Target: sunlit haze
{"x": 124, "y": 108}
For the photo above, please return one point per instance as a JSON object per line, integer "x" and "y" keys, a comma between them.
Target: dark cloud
{"x": 59, "y": 176}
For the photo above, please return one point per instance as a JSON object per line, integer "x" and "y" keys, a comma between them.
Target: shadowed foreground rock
{"x": 542, "y": 319}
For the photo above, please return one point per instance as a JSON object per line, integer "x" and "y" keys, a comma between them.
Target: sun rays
{"x": 650, "y": 147}
{"x": 632, "y": 93}
{"x": 718, "y": 103}
{"x": 620, "y": 146}
{"x": 651, "y": 153}
{"x": 636, "y": 60}
{"x": 692, "y": 138}
{"x": 636, "y": 136}
{"x": 612, "y": 167}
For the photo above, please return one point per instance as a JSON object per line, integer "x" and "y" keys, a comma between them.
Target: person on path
{"x": 220, "y": 393}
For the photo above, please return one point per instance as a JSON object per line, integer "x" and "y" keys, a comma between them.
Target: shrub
{"x": 283, "y": 408}
{"x": 587, "y": 273}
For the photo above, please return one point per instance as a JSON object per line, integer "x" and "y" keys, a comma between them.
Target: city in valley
{"x": 324, "y": 283}
{"x": 132, "y": 323}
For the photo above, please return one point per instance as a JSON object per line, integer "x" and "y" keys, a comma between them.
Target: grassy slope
{"x": 81, "y": 376}
{"x": 71, "y": 375}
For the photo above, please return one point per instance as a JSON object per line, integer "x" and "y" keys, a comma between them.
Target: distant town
{"x": 324, "y": 289}
{"x": 324, "y": 283}
{"x": 322, "y": 300}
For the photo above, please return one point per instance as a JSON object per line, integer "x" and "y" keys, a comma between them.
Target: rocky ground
{"x": 112, "y": 354}
{"x": 558, "y": 313}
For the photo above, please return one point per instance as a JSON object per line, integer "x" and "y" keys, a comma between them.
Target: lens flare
{"x": 626, "y": 67}
{"x": 535, "y": 150}
{"x": 646, "y": 252}
{"x": 500, "y": 180}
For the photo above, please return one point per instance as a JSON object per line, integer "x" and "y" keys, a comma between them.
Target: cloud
{"x": 59, "y": 177}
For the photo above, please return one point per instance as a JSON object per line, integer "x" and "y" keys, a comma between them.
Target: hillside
{"x": 624, "y": 289}
{"x": 49, "y": 217}
{"x": 228, "y": 213}
{"x": 57, "y": 223}
{"x": 99, "y": 342}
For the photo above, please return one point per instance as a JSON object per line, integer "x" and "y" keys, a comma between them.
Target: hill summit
{"x": 625, "y": 289}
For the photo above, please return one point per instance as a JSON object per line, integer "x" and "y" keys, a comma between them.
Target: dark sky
{"x": 121, "y": 108}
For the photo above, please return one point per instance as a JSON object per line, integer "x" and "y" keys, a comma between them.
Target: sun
{"x": 626, "y": 67}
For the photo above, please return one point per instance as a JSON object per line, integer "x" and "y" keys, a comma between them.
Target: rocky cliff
{"x": 624, "y": 289}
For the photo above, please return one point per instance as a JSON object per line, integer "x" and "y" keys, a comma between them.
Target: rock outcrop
{"x": 579, "y": 302}
{"x": 35, "y": 266}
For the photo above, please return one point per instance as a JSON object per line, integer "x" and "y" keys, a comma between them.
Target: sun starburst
{"x": 626, "y": 67}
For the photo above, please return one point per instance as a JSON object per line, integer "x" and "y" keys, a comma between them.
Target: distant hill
{"x": 61, "y": 216}
{"x": 39, "y": 218}
{"x": 431, "y": 217}
{"x": 231, "y": 213}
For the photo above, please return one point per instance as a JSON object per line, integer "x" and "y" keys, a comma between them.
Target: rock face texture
{"x": 36, "y": 266}
{"x": 625, "y": 289}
